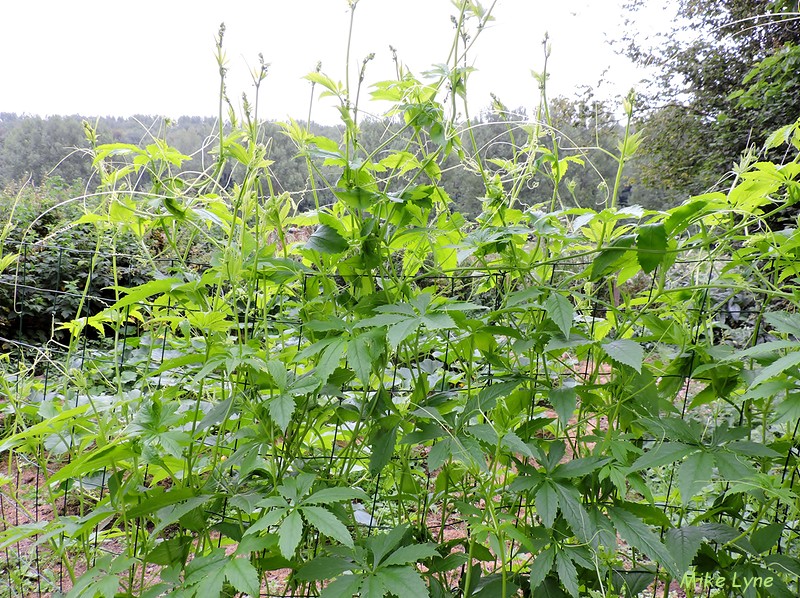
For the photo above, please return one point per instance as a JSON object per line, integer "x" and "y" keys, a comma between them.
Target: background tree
{"x": 697, "y": 112}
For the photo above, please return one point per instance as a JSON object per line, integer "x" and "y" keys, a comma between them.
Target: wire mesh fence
{"x": 49, "y": 377}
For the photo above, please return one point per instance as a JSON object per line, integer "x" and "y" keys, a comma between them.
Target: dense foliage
{"x": 353, "y": 384}
{"x": 724, "y": 78}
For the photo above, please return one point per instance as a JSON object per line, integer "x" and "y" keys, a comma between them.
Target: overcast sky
{"x": 93, "y": 57}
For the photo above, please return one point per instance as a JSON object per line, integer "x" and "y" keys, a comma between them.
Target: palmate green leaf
{"x": 625, "y": 351}
{"x": 383, "y": 544}
{"x": 546, "y": 501}
{"x": 683, "y": 543}
{"x": 243, "y": 576}
{"x": 382, "y": 445}
{"x": 663, "y": 454}
{"x": 208, "y": 572}
{"x": 327, "y": 496}
{"x": 401, "y": 330}
{"x": 327, "y": 524}
{"x": 361, "y": 355}
{"x": 329, "y": 359}
{"x": 777, "y": 367}
{"x": 638, "y": 535}
{"x": 567, "y": 573}
{"x": 289, "y": 534}
{"x": 516, "y": 445}
{"x": 357, "y": 198}
{"x": 327, "y": 240}
{"x": 782, "y": 321}
{"x": 569, "y": 499}
{"x": 373, "y": 587}
{"x": 323, "y": 567}
{"x": 695, "y": 474}
{"x": 651, "y": 246}
{"x": 281, "y": 408}
{"x": 411, "y": 554}
{"x": 560, "y": 311}
{"x": 342, "y": 587}
{"x": 541, "y": 566}
{"x": 279, "y": 374}
{"x": 788, "y": 410}
{"x": 403, "y": 581}
{"x": 608, "y": 257}
{"x": 564, "y": 400}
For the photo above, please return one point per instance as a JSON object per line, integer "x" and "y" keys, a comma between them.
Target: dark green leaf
{"x": 567, "y": 573}
{"x": 766, "y": 538}
{"x": 546, "y": 501}
{"x": 327, "y": 496}
{"x": 642, "y": 538}
{"x": 651, "y": 246}
{"x": 683, "y": 544}
{"x": 662, "y": 454}
{"x": 695, "y": 474}
{"x": 323, "y": 567}
{"x": 411, "y": 554}
{"x": 560, "y": 310}
{"x": 342, "y": 587}
{"x": 564, "y": 401}
{"x": 569, "y": 499}
{"x": 541, "y": 566}
{"x": 608, "y": 257}
{"x": 243, "y": 576}
{"x": 327, "y": 240}
{"x": 327, "y": 523}
{"x": 382, "y": 447}
{"x": 289, "y": 534}
{"x": 405, "y": 581}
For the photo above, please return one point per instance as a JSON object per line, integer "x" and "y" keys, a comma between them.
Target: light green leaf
{"x": 243, "y": 576}
{"x": 788, "y": 410}
{"x": 608, "y": 257}
{"x": 327, "y": 523}
{"x": 289, "y": 534}
{"x": 560, "y": 310}
{"x": 400, "y": 331}
{"x": 625, "y": 351}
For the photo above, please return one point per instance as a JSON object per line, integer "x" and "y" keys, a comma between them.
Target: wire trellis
{"x": 29, "y": 565}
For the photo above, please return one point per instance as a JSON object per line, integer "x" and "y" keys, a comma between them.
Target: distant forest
{"x": 34, "y": 150}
